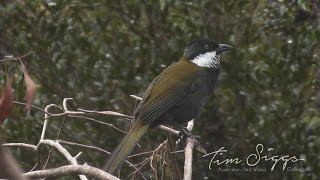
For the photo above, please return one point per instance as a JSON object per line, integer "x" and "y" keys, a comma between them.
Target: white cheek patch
{"x": 209, "y": 59}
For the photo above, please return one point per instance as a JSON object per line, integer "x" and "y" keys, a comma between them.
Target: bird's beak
{"x": 223, "y": 47}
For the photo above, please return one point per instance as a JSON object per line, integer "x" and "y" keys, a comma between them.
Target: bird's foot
{"x": 183, "y": 135}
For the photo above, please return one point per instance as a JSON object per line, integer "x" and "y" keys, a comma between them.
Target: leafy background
{"x": 99, "y": 52}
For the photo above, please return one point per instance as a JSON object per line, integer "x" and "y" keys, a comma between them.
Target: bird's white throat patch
{"x": 209, "y": 60}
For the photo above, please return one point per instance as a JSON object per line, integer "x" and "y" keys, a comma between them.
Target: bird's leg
{"x": 183, "y": 134}
{"x": 183, "y": 131}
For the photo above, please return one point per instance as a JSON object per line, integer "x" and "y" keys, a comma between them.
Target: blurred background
{"x": 100, "y": 52}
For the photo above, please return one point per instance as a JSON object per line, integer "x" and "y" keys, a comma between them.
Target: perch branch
{"x": 64, "y": 152}
{"x": 188, "y": 154}
{"x": 70, "y": 169}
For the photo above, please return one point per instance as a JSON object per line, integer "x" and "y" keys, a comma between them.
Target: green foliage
{"x": 100, "y": 52}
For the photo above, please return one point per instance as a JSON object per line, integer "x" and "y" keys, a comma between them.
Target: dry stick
{"x": 70, "y": 169}
{"x": 16, "y": 58}
{"x": 149, "y": 159}
{"x": 45, "y": 123}
{"x": 188, "y": 148}
{"x": 139, "y": 154}
{"x": 170, "y": 130}
{"x": 112, "y": 113}
{"x": 136, "y": 97}
{"x": 84, "y": 146}
{"x": 64, "y": 152}
{"x": 67, "y": 112}
{"x": 155, "y": 151}
{"x": 25, "y": 145}
{"x": 44, "y": 128}
{"x": 188, "y": 154}
{"x": 33, "y": 106}
{"x": 33, "y": 147}
{"x": 97, "y": 149}
{"x": 81, "y": 111}
{"x": 97, "y": 121}
{"x": 174, "y": 168}
{"x": 51, "y": 150}
{"x": 65, "y": 109}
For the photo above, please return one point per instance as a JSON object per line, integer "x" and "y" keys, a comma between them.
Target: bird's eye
{"x": 207, "y": 46}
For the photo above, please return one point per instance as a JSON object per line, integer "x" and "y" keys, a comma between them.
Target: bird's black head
{"x": 204, "y": 52}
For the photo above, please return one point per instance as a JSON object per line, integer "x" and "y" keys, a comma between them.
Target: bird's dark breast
{"x": 178, "y": 94}
{"x": 194, "y": 100}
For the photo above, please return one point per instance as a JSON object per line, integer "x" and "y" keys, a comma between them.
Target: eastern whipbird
{"x": 175, "y": 97}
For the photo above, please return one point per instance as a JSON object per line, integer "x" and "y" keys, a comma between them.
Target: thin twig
{"x": 64, "y": 152}
{"x": 25, "y": 145}
{"x": 136, "y": 97}
{"x": 93, "y": 148}
{"x": 175, "y": 132}
{"x": 57, "y": 138}
{"x": 45, "y": 123}
{"x": 16, "y": 58}
{"x": 107, "y": 113}
{"x": 33, "y": 106}
{"x": 80, "y": 114}
{"x": 85, "y": 146}
{"x": 139, "y": 154}
{"x": 97, "y": 121}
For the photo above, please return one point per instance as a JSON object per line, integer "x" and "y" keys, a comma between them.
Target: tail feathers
{"x": 125, "y": 147}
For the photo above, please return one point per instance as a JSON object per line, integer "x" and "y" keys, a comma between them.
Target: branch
{"x": 12, "y": 58}
{"x": 85, "y": 146}
{"x": 80, "y": 113}
{"x": 68, "y": 170}
{"x": 28, "y": 146}
{"x": 33, "y": 106}
{"x": 188, "y": 154}
{"x": 64, "y": 152}
{"x": 170, "y": 130}
{"x": 136, "y": 97}
{"x": 112, "y": 113}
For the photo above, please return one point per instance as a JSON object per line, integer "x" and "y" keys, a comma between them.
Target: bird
{"x": 174, "y": 97}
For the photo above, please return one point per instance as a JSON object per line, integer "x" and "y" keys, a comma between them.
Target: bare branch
{"x": 136, "y": 97}
{"x": 68, "y": 170}
{"x": 64, "y": 152}
{"x": 107, "y": 113}
{"x": 81, "y": 113}
{"x": 188, "y": 154}
{"x": 46, "y": 116}
{"x": 93, "y": 148}
{"x": 175, "y": 132}
{"x": 28, "y": 146}
{"x": 85, "y": 146}
{"x": 97, "y": 121}
{"x": 12, "y": 58}
{"x": 33, "y": 106}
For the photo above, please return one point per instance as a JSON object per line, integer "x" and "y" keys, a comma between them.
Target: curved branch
{"x": 68, "y": 170}
{"x": 25, "y": 145}
{"x": 64, "y": 152}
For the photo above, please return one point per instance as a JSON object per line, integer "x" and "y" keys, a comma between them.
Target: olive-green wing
{"x": 165, "y": 92}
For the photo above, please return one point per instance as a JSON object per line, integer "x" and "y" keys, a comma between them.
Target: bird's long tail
{"x": 127, "y": 144}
